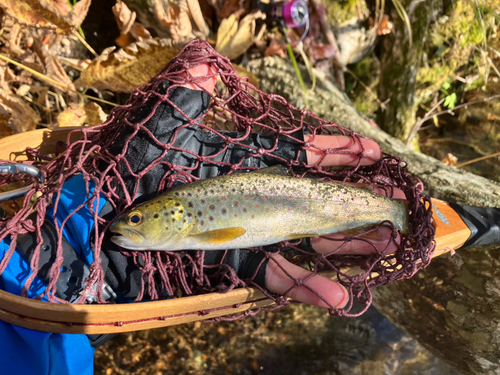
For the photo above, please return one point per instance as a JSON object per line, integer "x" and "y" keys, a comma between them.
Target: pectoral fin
{"x": 361, "y": 231}
{"x": 219, "y": 236}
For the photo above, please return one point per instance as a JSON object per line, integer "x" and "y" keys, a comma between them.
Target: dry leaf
{"x": 385, "y": 27}
{"x": 74, "y": 115}
{"x": 129, "y": 67}
{"x": 175, "y": 17}
{"x": 5, "y": 129}
{"x": 52, "y": 67}
{"x": 129, "y": 29}
{"x": 229, "y": 7}
{"x": 75, "y": 63}
{"x": 234, "y": 40}
{"x": 124, "y": 17}
{"x": 242, "y": 72}
{"x": 22, "y": 117}
{"x": 449, "y": 159}
{"x": 139, "y": 31}
{"x": 95, "y": 114}
{"x": 6, "y": 76}
{"x": 275, "y": 48}
{"x": 45, "y": 13}
{"x": 197, "y": 14}
{"x": 124, "y": 40}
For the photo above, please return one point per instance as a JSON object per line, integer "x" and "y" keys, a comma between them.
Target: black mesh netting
{"x": 242, "y": 129}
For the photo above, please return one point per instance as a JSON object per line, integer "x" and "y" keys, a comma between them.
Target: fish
{"x": 253, "y": 209}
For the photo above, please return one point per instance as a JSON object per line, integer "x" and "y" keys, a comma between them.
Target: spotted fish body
{"x": 252, "y": 209}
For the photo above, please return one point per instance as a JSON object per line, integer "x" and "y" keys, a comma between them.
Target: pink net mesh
{"x": 242, "y": 108}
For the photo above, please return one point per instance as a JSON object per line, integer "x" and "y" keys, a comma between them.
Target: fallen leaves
{"x": 129, "y": 67}
{"x": 55, "y": 14}
{"x": 16, "y": 113}
{"x": 233, "y": 40}
{"x": 78, "y": 115}
{"x": 175, "y": 16}
{"x": 129, "y": 29}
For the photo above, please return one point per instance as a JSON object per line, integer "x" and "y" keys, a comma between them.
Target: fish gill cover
{"x": 236, "y": 119}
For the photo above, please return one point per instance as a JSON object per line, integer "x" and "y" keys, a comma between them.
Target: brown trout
{"x": 252, "y": 209}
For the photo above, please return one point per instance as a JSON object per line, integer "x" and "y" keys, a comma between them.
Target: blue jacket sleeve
{"x": 28, "y": 352}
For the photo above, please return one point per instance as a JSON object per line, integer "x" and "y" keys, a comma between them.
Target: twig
{"x": 53, "y": 81}
{"x": 428, "y": 116}
{"x": 84, "y": 42}
{"x": 477, "y": 159}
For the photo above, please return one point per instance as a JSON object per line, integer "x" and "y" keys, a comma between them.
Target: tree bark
{"x": 400, "y": 57}
{"x": 453, "y": 306}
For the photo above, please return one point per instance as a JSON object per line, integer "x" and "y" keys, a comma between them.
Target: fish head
{"x": 152, "y": 225}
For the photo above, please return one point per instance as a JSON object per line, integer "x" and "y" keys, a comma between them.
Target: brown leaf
{"x": 385, "y": 27}
{"x": 129, "y": 67}
{"x": 139, "y": 31}
{"x": 175, "y": 17}
{"x": 228, "y": 8}
{"x": 45, "y": 13}
{"x": 196, "y": 13}
{"x": 22, "y": 117}
{"x": 74, "y": 115}
{"x": 275, "y": 48}
{"x": 95, "y": 114}
{"x": 449, "y": 159}
{"x": 5, "y": 129}
{"x": 235, "y": 43}
{"x": 6, "y": 76}
{"x": 124, "y": 17}
{"x": 124, "y": 40}
{"x": 52, "y": 67}
{"x": 242, "y": 72}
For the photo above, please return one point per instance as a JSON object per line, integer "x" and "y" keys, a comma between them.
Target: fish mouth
{"x": 127, "y": 238}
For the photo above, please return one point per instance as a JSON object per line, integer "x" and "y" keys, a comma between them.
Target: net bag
{"x": 236, "y": 128}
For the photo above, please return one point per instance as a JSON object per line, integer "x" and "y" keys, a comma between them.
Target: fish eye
{"x": 135, "y": 218}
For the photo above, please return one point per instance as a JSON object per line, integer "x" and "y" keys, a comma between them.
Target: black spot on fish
{"x": 189, "y": 215}
{"x": 176, "y": 194}
{"x": 165, "y": 213}
{"x": 233, "y": 190}
{"x": 172, "y": 212}
{"x": 211, "y": 191}
{"x": 202, "y": 201}
{"x": 245, "y": 210}
{"x": 156, "y": 216}
{"x": 199, "y": 213}
{"x": 181, "y": 211}
{"x": 166, "y": 228}
{"x": 202, "y": 222}
{"x": 190, "y": 204}
{"x": 173, "y": 220}
{"x": 190, "y": 195}
{"x": 211, "y": 218}
{"x": 177, "y": 204}
{"x": 184, "y": 221}
{"x": 224, "y": 211}
{"x": 212, "y": 207}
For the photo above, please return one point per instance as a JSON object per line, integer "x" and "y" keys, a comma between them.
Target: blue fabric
{"x": 27, "y": 352}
